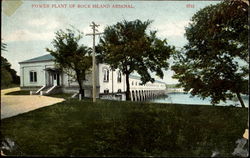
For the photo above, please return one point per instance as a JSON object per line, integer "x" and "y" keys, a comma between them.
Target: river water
{"x": 182, "y": 98}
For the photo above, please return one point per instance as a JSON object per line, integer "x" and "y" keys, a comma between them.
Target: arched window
{"x": 119, "y": 91}
{"x": 119, "y": 77}
{"x": 106, "y": 75}
{"x": 33, "y": 76}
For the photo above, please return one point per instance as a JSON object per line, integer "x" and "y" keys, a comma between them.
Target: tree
{"x": 8, "y": 75}
{"x": 127, "y": 46}
{"x": 70, "y": 56}
{"x": 215, "y": 61}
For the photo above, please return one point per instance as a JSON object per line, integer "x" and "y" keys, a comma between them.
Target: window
{"x": 132, "y": 83}
{"x": 119, "y": 77}
{"x": 33, "y": 76}
{"x": 106, "y": 75}
{"x": 106, "y": 91}
{"x": 119, "y": 91}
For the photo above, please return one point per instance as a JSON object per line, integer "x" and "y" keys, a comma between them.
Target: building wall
{"x": 113, "y": 85}
{"x": 38, "y": 67}
{"x": 69, "y": 81}
{"x": 70, "y": 85}
{"x": 136, "y": 84}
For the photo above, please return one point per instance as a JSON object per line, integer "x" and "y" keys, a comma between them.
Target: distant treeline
{"x": 8, "y": 75}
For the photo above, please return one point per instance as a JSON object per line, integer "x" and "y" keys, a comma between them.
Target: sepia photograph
{"x": 124, "y": 78}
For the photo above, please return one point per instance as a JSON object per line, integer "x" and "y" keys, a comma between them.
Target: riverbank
{"x": 112, "y": 128}
{"x": 186, "y": 98}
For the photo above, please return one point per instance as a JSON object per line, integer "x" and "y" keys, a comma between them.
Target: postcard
{"x": 124, "y": 78}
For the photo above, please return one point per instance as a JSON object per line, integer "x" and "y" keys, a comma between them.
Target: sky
{"x": 28, "y": 29}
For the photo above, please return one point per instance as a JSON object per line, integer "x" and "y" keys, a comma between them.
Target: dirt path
{"x": 12, "y": 105}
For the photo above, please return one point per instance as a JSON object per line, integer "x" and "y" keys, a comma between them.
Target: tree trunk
{"x": 240, "y": 99}
{"x": 128, "y": 88}
{"x": 81, "y": 90}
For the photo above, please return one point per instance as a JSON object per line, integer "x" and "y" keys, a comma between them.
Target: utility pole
{"x": 94, "y": 26}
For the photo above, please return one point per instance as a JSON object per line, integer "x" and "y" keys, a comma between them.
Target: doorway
{"x": 56, "y": 79}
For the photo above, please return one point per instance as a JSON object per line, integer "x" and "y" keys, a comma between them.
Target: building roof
{"x": 138, "y": 77}
{"x": 47, "y": 57}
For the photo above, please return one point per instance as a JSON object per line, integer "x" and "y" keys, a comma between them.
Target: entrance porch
{"x": 53, "y": 77}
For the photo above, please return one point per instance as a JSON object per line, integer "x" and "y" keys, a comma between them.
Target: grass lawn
{"x": 111, "y": 128}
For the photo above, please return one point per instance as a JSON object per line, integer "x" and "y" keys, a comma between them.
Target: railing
{"x": 40, "y": 89}
{"x": 74, "y": 95}
{"x": 49, "y": 90}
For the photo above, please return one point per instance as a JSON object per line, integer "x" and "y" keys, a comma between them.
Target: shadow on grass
{"x": 21, "y": 92}
{"x": 61, "y": 95}
{"x": 26, "y": 92}
{"x": 9, "y": 86}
